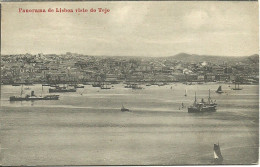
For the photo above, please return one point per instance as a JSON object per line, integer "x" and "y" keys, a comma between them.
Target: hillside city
{"x": 77, "y": 68}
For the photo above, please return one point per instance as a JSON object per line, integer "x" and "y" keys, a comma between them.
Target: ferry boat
{"x": 33, "y": 97}
{"x": 62, "y": 89}
{"x": 219, "y": 90}
{"x": 203, "y": 106}
{"x": 218, "y": 158}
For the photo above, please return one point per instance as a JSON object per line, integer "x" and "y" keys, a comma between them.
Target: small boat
{"x": 77, "y": 86}
{"x": 218, "y": 158}
{"x": 237, "y": 87}
{"x": 185, "y": 93}
{"x": 161, "y": 84}
{"x": 105, "y": 86}
{"x": 86, "y": 83}
{"x": 219, "y": 90}
{"x": 16, "y": 84}
{"x": 128, "y": 86}
{"x": 46, "y": 84}
{"x": 28, "y": 83}
{"x": 148, "y": 84}
{"x": 96, "y": 84}
{"x": 62, "y": 89}
{"x": 54, "y": 86}
{"x": 135, "y": 86}
{"x": 123, "y": 109}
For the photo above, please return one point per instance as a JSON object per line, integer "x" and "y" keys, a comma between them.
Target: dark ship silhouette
{"x": 33, "y": 97}
{"x": 203, "y": 106}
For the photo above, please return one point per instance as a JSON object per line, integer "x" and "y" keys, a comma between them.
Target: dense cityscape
{"x": 76, "y": 68}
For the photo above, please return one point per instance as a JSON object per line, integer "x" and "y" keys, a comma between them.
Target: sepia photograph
{"x": 129, "y": 83}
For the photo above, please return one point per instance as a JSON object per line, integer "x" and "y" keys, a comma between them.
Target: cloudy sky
{"x": 133, "y": 28}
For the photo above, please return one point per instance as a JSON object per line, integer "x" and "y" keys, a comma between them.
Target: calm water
{"x": 90, "y": 129}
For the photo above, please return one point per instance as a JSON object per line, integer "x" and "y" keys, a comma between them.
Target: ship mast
{"x": 209, "y": 96}
{"x": 22, "y": 90}
{"x": 195, "y": 101}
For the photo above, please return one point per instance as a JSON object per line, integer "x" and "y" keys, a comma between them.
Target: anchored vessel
{"x": 237, "y": 87}
{"x": 203, "y": 106}
{"x": 136, "y": 86}
{"x": 34, "y": 97}
{"x": 219, "y": 90}
{"x": 77, "y": 86}
{"x": 218, "y": 158}
{"x": 105, "y": 86}
{"x": 96, "y": 84}
{"x": 62, "y": 89}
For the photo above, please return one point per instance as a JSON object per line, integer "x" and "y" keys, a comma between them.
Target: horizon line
{"x": 65, "y": 53}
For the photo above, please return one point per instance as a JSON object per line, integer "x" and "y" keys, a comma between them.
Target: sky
{"x": 148, "y": 28}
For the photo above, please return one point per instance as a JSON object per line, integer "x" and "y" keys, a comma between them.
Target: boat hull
{"x": 201, "y": 110}
{"x": 13, "y": 98}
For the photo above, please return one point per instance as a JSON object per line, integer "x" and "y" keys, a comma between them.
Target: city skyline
{"x": 153, "y": 29}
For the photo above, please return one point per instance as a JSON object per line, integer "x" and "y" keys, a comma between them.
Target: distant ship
{"x": 105, "y": 86}
{"x": 124, "y": 109}
{"x": 135, "y": 86}
{"x": 62, "y": 89}
{"x": 77, "y": 86}
{"x": 219, "y": 90}
{"x": 199, "y": 107}
{"x": 237, "y": 87}
{"x": 98, "y": 84}
{"x": 28, "y": 83}
{"x": 16, "y": 84}
{"x": 46, "y": 84}
{"x": 54, "y": 85}
{"x": 218, "y": 158}
{"x": 33, "y": 97}
{"x": 128, "y": 86}
{"x": 161, "y": 84}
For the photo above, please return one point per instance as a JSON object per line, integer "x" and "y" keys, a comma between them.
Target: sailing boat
{"x": 218, "y": 159}
{"x": 185, "y": 92}
{"x": 237, "y": 87}
{"x": 219, "y": 90}
{"x": 124, "y": 109}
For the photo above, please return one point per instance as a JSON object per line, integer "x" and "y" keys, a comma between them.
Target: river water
{"x": 87, "y": 127}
